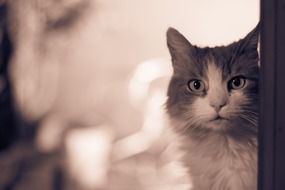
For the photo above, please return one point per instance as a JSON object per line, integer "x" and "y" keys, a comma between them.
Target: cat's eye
{"x": 196, "y": 86}
{"x": 237, "y": 82}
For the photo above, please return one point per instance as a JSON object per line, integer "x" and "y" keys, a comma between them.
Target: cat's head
{"x": 213, "y": 89}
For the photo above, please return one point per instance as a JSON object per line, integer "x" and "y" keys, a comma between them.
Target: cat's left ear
{"x": 181, "y": 50}
{"x": 250, "y": 42}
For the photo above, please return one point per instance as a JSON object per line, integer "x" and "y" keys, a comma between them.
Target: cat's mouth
{"x": 219, "y": 118}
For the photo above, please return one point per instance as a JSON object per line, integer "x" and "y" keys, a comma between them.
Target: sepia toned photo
{"x": 142, "y": 95}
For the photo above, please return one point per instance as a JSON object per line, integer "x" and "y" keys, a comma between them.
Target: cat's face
{"x": 214, "y": 88}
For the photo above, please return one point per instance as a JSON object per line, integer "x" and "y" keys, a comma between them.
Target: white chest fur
{"x": 221, "y": 163}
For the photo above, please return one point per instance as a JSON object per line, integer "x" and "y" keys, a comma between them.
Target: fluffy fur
{"x": 218, "y": 124}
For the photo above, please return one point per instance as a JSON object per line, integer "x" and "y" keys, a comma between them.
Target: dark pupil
{"x": 197, "y": 85}
{"x": 236, "y": 82}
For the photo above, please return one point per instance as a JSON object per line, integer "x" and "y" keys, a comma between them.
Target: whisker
{"x": 251, "y": 120}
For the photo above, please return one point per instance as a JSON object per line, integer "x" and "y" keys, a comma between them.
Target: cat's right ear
{"x": 181, "y": 50}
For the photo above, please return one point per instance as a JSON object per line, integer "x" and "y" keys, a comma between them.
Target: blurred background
{"x": 83, "y": 85}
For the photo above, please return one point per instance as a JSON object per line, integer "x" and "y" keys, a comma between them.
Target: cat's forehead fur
{"x": 231, "y": 59}
{"x": 214, "y": 76}
{"x": 214, "y": 64}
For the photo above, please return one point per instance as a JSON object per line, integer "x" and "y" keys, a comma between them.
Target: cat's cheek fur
{"x": 237, "y": 99}
{"x": 202, "y": 110}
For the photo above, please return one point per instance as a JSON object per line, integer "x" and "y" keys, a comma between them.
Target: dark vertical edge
{"x": 280, "y": 96}
{"x": 8, "y": 131}
{"x": 267, "y": 96}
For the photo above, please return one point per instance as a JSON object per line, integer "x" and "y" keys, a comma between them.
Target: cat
{"x": 212, "y": 105}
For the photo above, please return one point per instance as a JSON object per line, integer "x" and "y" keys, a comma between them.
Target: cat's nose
{"x": 218, "y": 105}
